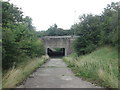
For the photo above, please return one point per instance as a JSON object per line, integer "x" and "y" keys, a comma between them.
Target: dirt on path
{"x": 55, "y": 74}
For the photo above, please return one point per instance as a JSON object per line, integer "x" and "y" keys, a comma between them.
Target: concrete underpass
{"x": 56, "y": 52}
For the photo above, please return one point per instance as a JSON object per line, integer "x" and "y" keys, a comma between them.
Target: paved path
{"x": 55, "y": 74}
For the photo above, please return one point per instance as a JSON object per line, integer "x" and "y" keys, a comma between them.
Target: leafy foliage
{"x": 97, "y": 30}
{"x": 19, "y": 37}
{"x": 54, "y": 31}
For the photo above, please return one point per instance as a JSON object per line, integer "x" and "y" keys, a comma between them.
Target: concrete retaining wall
{"x": 59, "y": 42}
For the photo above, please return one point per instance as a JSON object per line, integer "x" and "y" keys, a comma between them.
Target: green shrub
{"x": 19, "y": 41}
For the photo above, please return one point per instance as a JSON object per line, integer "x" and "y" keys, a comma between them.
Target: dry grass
{"x": 16, "y": 76}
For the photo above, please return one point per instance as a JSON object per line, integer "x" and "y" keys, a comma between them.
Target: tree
{"x": 89, "y": 31}
{"x": 19, "y": 37}
{"x": 110, "y": 23}
{"x": 96, "y": 30}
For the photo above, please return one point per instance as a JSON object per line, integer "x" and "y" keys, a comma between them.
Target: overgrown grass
{"x": 17, "y": 75}
{"x": 0, "y": 79}
{"x": 100, "y": 66}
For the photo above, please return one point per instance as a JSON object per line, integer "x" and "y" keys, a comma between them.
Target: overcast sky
{"x": 62, "y": 12}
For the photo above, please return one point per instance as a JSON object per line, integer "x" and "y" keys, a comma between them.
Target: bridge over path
{"x": 64, "y": 42}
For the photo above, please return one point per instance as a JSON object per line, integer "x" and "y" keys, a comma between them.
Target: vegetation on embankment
{"x": 19, "y": 38}
{"x": 100, "y": 66}
{"x": 21, "y": 47}
{"x": 16, "y": 75}
{"x": 97, "y": 30}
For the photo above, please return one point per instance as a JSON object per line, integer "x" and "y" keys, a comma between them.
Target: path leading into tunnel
{"x": 55, "y": 74}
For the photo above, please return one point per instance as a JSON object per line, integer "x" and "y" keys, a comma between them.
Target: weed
{"x": 100, "y": 66}
{"x": 17, "y": 75}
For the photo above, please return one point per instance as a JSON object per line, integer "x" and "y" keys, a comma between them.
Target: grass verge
{"x": 100, "y": 66}
{"x": 17, "y": 75}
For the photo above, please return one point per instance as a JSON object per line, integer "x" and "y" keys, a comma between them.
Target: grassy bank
{"x": 0, "y": 80}
{"x": 100, "y": 66}
{"x": 16, "y": 76}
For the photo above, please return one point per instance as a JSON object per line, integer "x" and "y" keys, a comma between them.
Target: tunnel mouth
{"x": 56, "y": 52}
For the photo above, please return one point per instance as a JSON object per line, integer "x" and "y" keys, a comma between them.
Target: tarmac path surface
{"x": 55, "y": 74}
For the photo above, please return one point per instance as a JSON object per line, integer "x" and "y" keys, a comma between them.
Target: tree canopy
{"x": 19, "y": 39}
{"x": 97, "y": 30}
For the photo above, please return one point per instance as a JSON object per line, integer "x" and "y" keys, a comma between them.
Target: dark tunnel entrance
{"x": 56, "y": 52}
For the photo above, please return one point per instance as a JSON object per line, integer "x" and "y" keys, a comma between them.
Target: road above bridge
{"x": 55, "y": 74}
